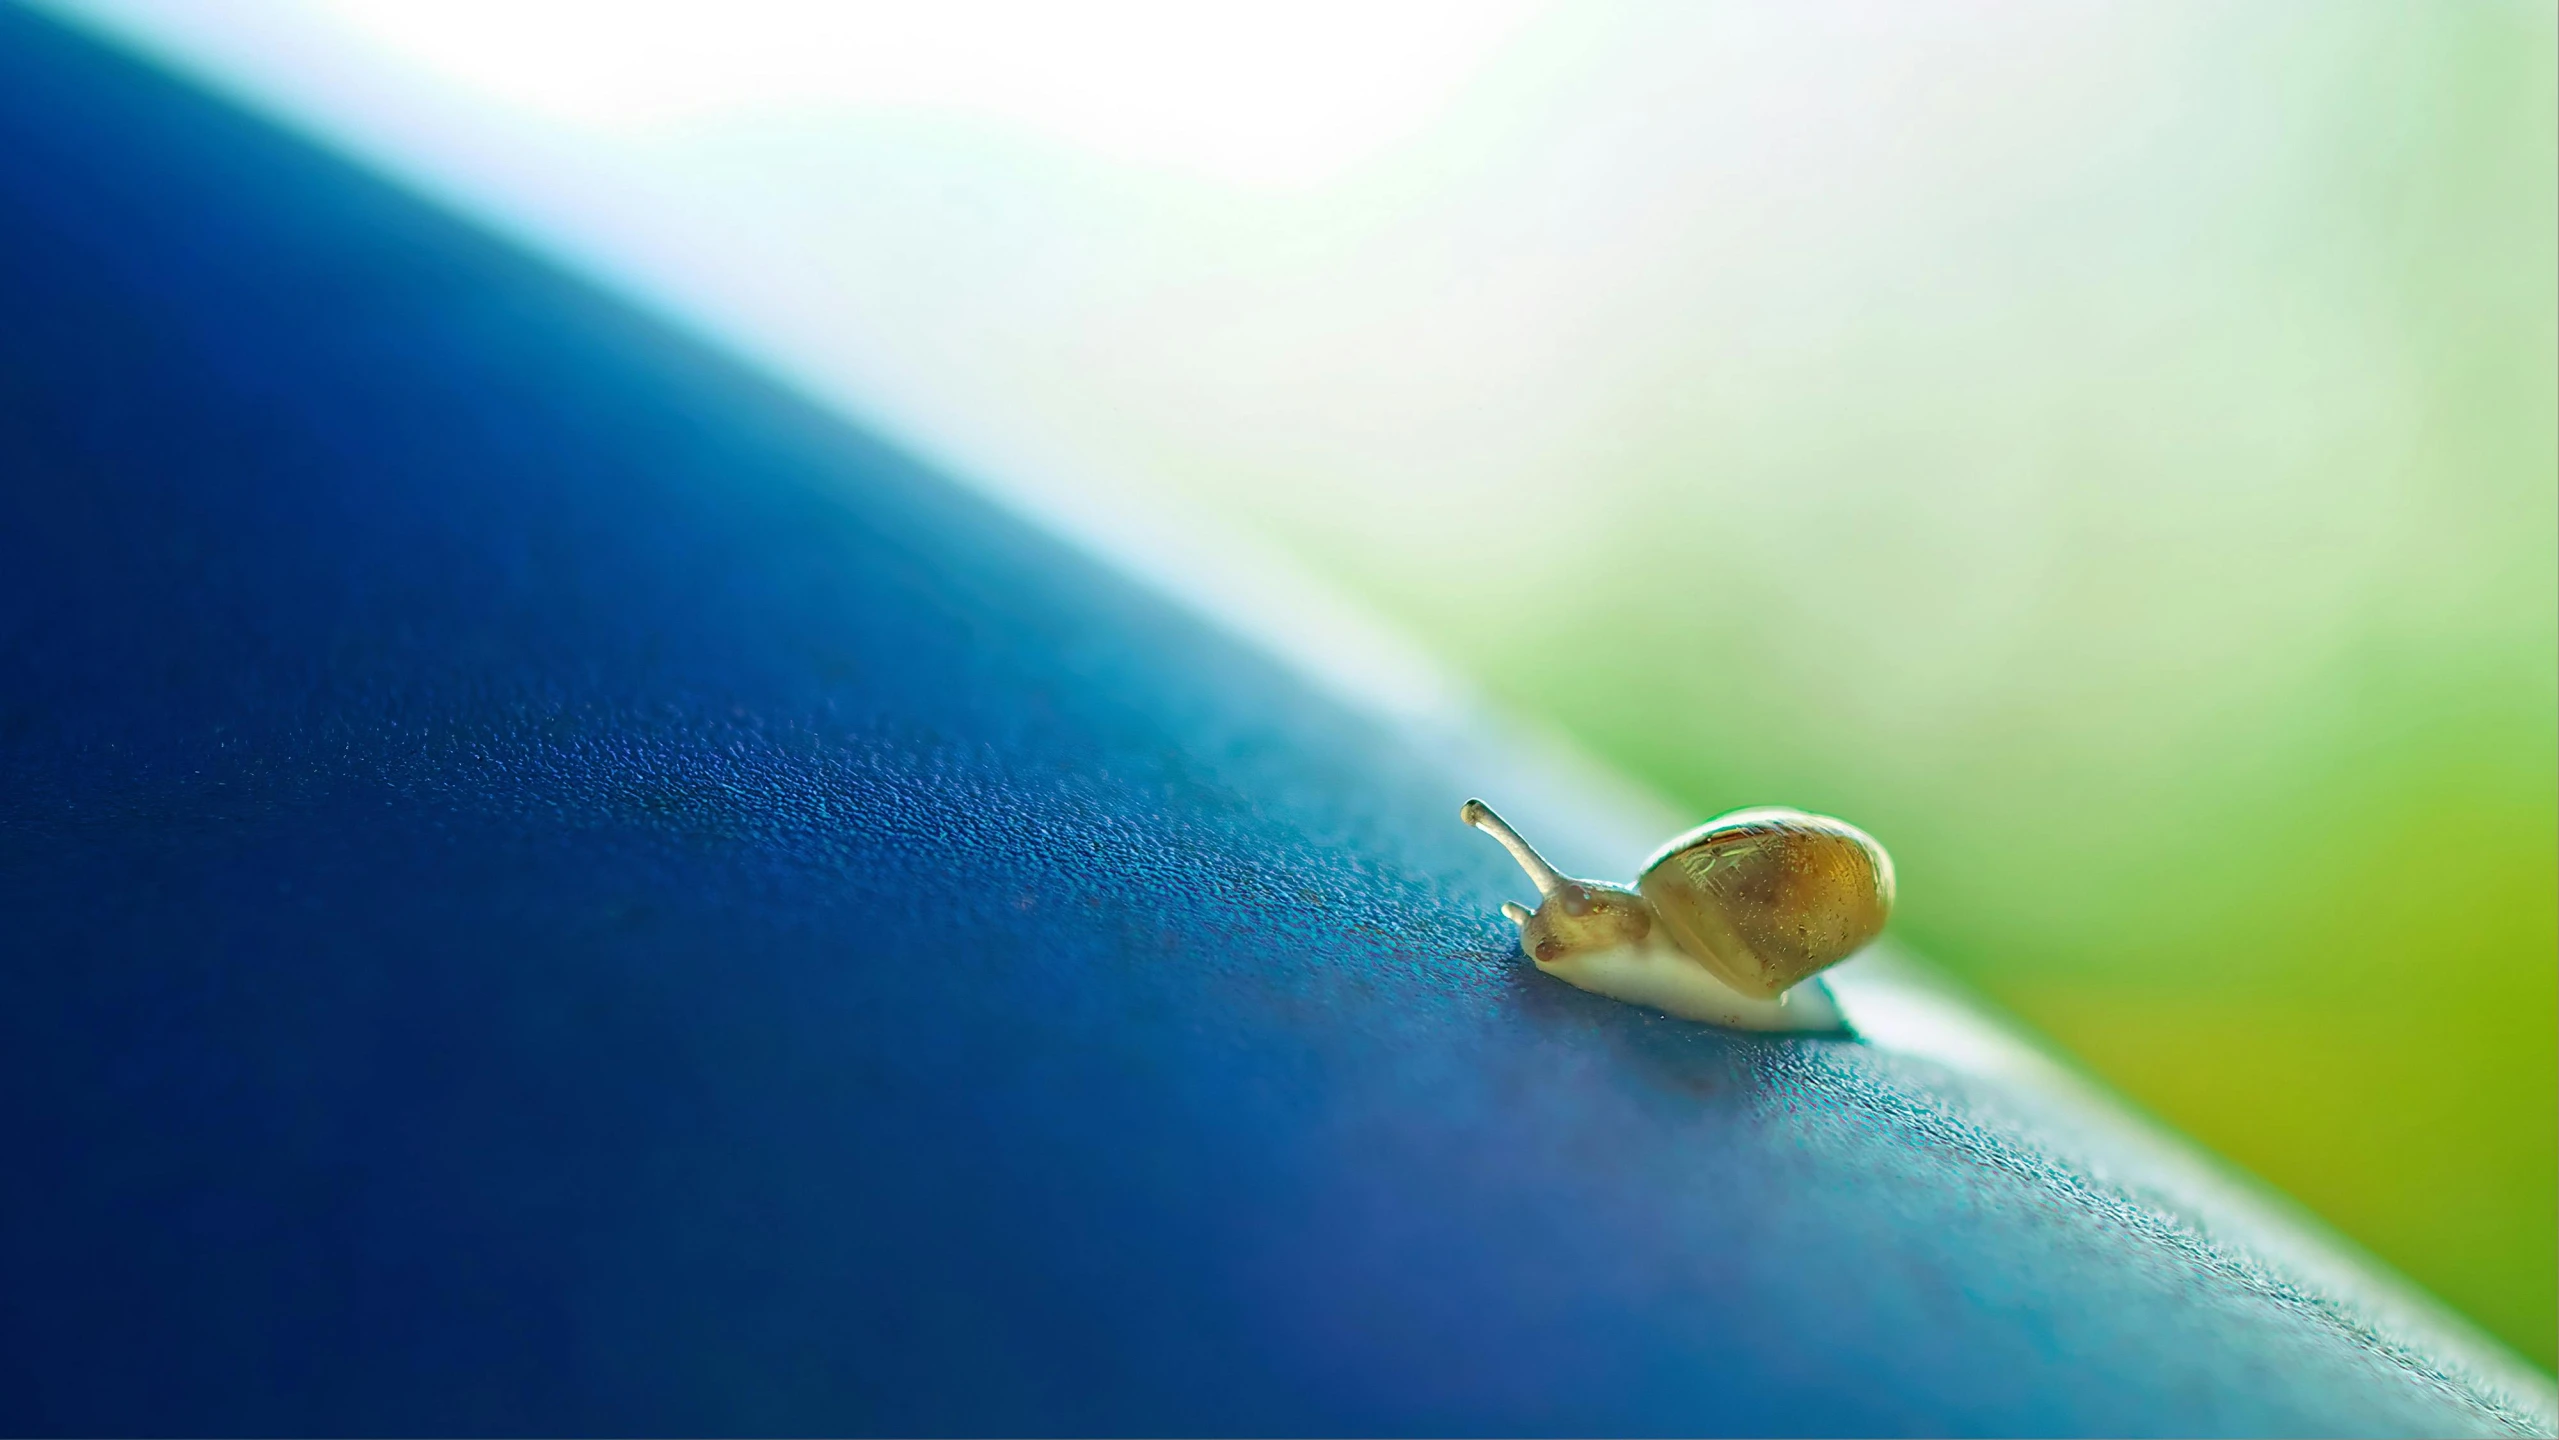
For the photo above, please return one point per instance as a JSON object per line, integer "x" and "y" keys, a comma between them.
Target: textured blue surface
{"x": 550, "y": 887}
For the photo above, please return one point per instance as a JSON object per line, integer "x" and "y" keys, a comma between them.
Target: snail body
{"x": 1724, "y": 924}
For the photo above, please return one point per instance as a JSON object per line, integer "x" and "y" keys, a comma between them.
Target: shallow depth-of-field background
{"x": 2106, "y": 450}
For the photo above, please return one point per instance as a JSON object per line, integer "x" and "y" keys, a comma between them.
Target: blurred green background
{"x": 2105, "y": 450}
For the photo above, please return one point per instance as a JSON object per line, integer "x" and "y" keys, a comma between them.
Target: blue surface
{"x": 550, "y": 887}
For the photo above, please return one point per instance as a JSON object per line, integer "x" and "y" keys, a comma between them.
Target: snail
{"x": 1724, "y": 924}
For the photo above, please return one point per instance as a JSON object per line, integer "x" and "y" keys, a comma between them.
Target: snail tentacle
{"x": 1481, "y": 816}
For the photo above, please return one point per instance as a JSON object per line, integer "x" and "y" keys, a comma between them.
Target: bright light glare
{"x": 1256, "y": 94}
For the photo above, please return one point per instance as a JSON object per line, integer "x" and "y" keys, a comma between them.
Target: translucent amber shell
{"x": 1765, "y": 898}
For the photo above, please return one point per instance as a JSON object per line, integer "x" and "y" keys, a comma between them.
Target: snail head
{"x": 1573, "y": 917}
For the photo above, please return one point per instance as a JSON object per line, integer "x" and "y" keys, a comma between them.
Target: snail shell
{"x": 1766, "y": 897}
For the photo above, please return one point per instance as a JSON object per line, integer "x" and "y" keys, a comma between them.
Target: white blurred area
{"x": 1254, "y": 94}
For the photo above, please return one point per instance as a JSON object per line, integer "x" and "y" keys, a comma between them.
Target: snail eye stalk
{"x": 1480, "y": 815}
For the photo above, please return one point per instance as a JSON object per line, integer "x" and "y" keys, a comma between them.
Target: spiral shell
{"x": 1766, "y": 897}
